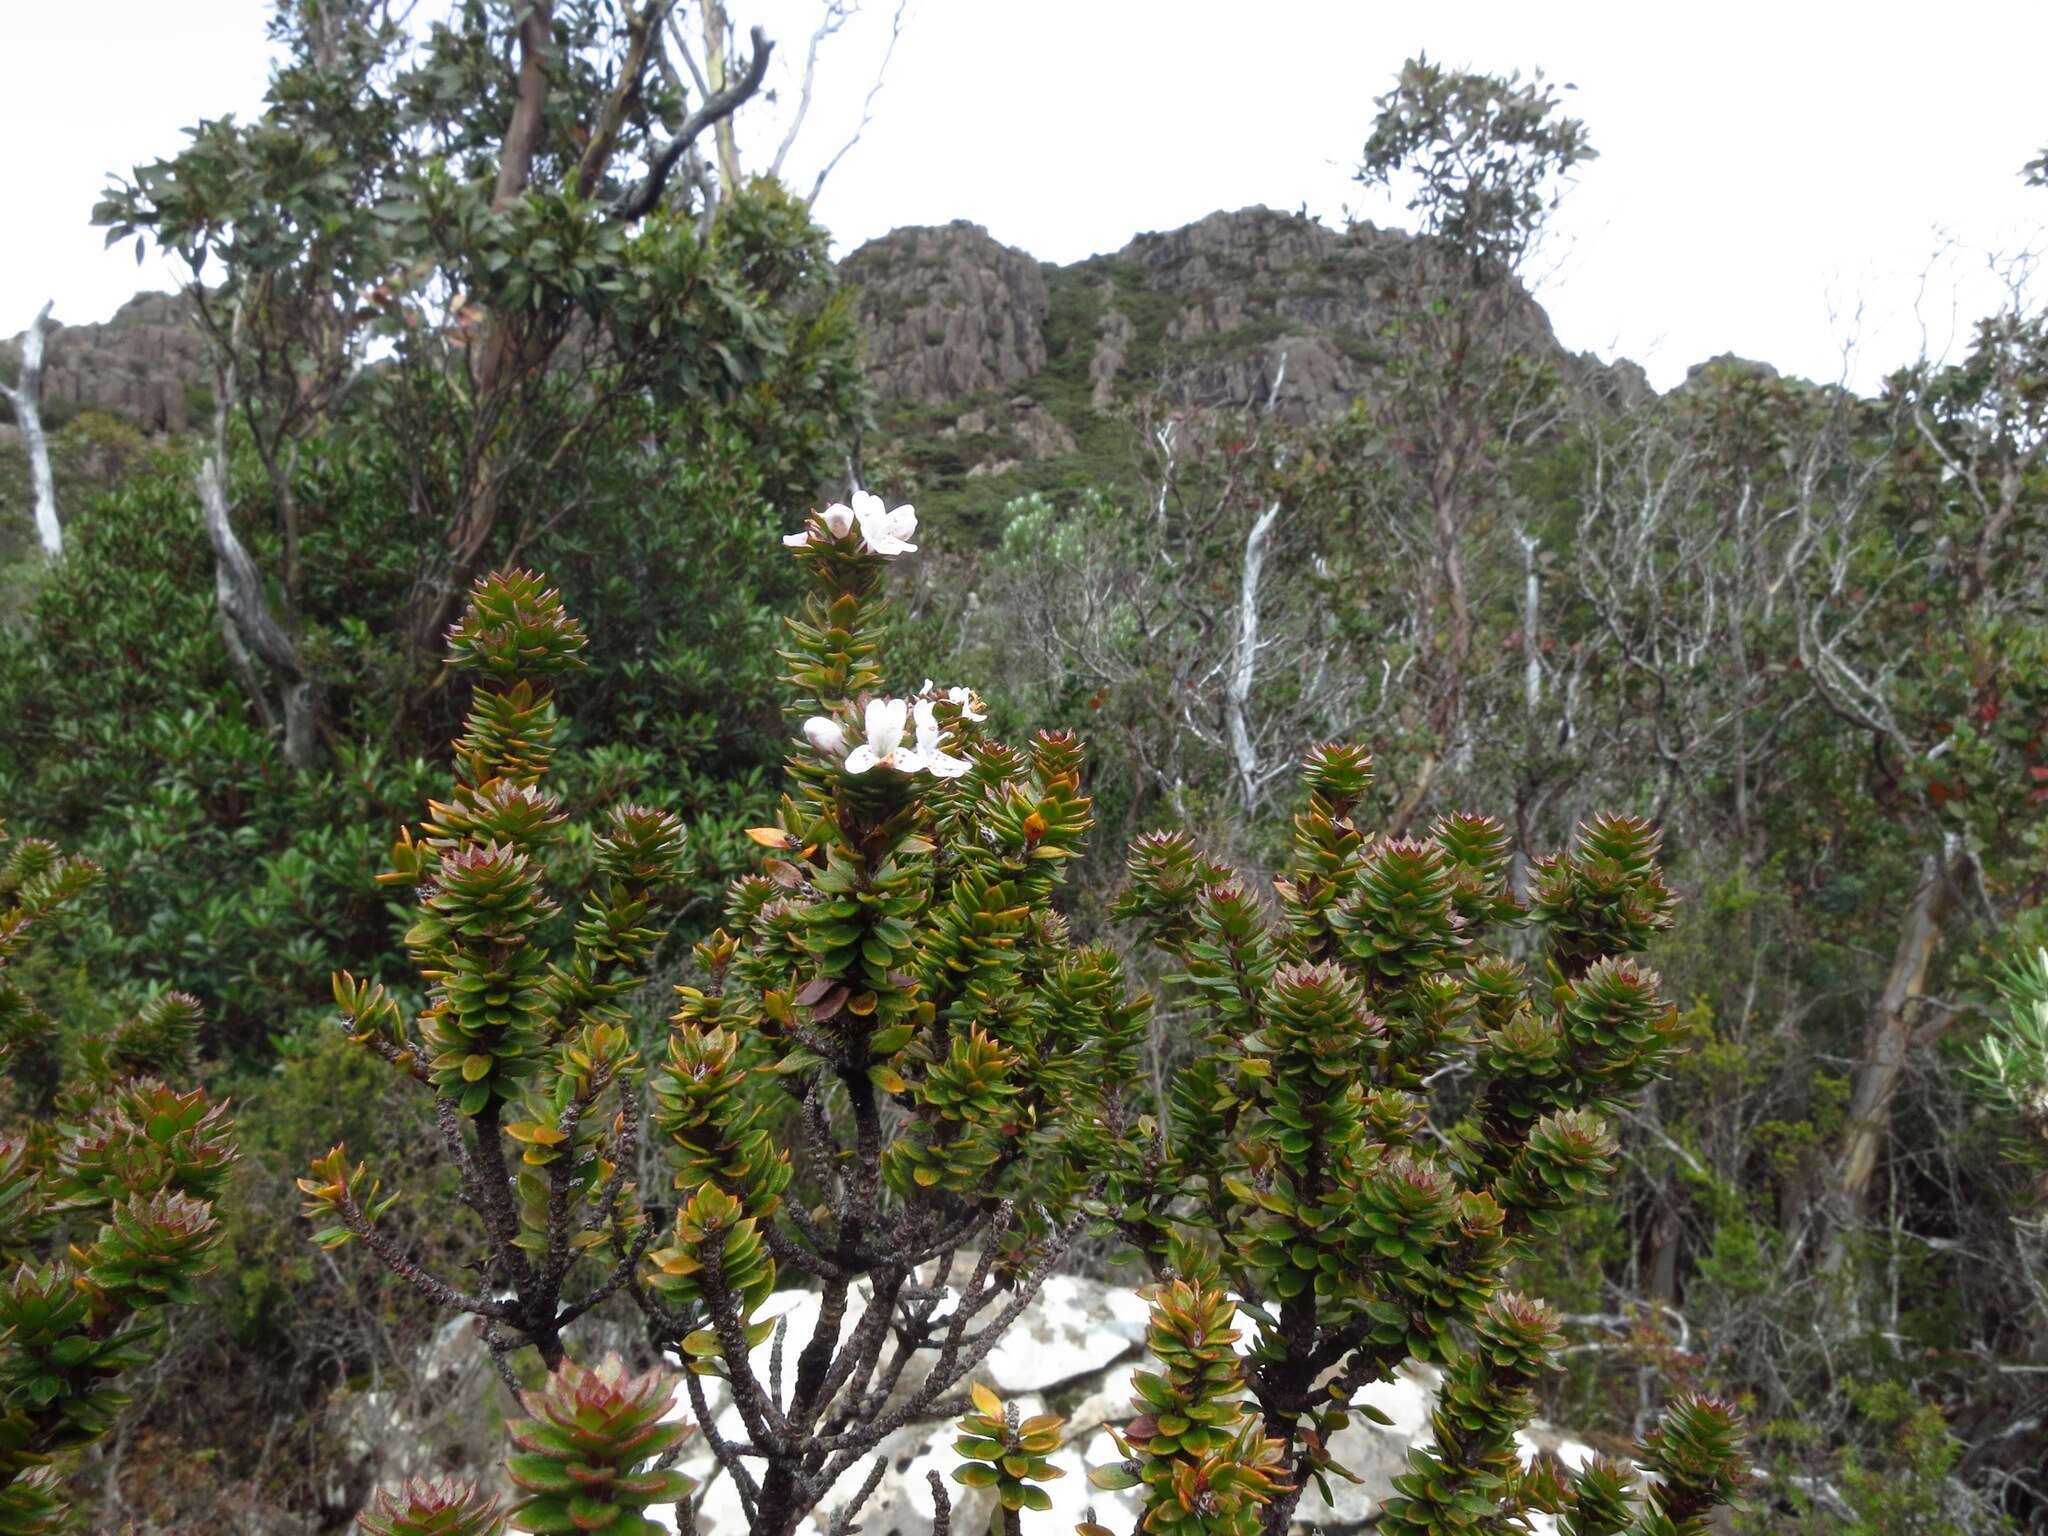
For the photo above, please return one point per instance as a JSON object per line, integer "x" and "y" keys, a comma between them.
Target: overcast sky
{"x": 1779, "y": 180}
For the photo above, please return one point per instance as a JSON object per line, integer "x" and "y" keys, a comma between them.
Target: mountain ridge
{"x": 996, "y": 374}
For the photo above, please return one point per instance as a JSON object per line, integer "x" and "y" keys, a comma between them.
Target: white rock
{"x": 1375, "y": 1453}
{"x": 1067, "y": 1332}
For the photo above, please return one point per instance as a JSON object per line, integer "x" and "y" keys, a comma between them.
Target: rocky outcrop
{"x": 1114, "y": 334}
{"x": 955, "y": 319}
{"x": 143, "y": 364}
{"x": 991, "y": 367}
{"x": 949, "y": 313}
{"x": 1020, "y": 421}
{"x": 1254, "y": 286}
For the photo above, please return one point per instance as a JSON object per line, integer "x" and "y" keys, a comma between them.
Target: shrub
{"x": 108, "y": 1179}
{"x": 898, "y": 1070}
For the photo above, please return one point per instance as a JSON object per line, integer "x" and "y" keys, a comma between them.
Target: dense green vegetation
{"x": 1799, "y": 631}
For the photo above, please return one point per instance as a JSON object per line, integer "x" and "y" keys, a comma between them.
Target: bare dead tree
{"x": 250, "y": 629}
{"x": 867, "y": 106}
{"x": 25, "y": 396}
{"x": 716, "y": 31}
{"x": 1218, "y": 667}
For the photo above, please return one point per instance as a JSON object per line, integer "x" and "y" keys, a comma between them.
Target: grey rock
{"x": 141, "y": 364}
{"x": 949, "y": 312}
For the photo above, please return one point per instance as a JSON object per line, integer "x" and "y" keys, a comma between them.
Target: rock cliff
{"x": 948, "y": 313}
{"x": 995, "y": 369}
{"x": 148, "y": 363}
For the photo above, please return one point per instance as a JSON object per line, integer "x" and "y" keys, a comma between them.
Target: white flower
{"x": 968, "y": 700}
{"x": 796, "y": 540}
{"x": 884, "y": 746}
{"x": 935, "y": 757}
{"x": 884, "y": 532}
{"x": 825, "y": 734}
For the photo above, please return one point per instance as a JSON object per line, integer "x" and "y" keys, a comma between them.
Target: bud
{"x": 826, "y": 736}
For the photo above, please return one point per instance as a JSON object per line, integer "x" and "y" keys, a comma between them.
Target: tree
{"x": 941, "y": 1055}
{"x": 1298, "y": 1150}
{"x": 1484, "y": 159}
{"x": 900, "y": 1073}
{"x": 1189, "y": 615}
{"x": 1954, "y": 722}
{"x": 474, "y": 246}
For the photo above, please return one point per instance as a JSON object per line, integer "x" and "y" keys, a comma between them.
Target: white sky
{"x": 1775, "y": 179}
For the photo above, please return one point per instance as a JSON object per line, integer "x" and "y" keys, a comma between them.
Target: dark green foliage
{"x": 1486, "y": 152}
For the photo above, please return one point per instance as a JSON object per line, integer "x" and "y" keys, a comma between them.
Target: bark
{"x": 26, "y": 398}
{"x": 522, "y": 134}
{"x": 717, "y": 29}
{"x": 1888, "y": 1040}
{"x": 643, "y": 40}
{"x": 1532, "y": 611}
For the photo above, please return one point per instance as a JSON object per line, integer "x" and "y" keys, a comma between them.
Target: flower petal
{"x": 861, "y": 759}
{"x": 885, "y": 719}
{"x": 884, "y": 532}
{"x": 796, "y": 540}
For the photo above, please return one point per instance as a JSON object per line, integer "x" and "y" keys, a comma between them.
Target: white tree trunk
{"x": 1532, "y": 606}
{"x": 1889, "y": 1037}
{"x": 248, "y": 624}
{"x": 25, "y": 397}
{"x": 1244, "y": 665}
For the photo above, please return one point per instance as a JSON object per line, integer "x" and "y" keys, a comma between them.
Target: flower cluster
{"x": 883, "y": 744}
{"x": 884, "y": 531}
